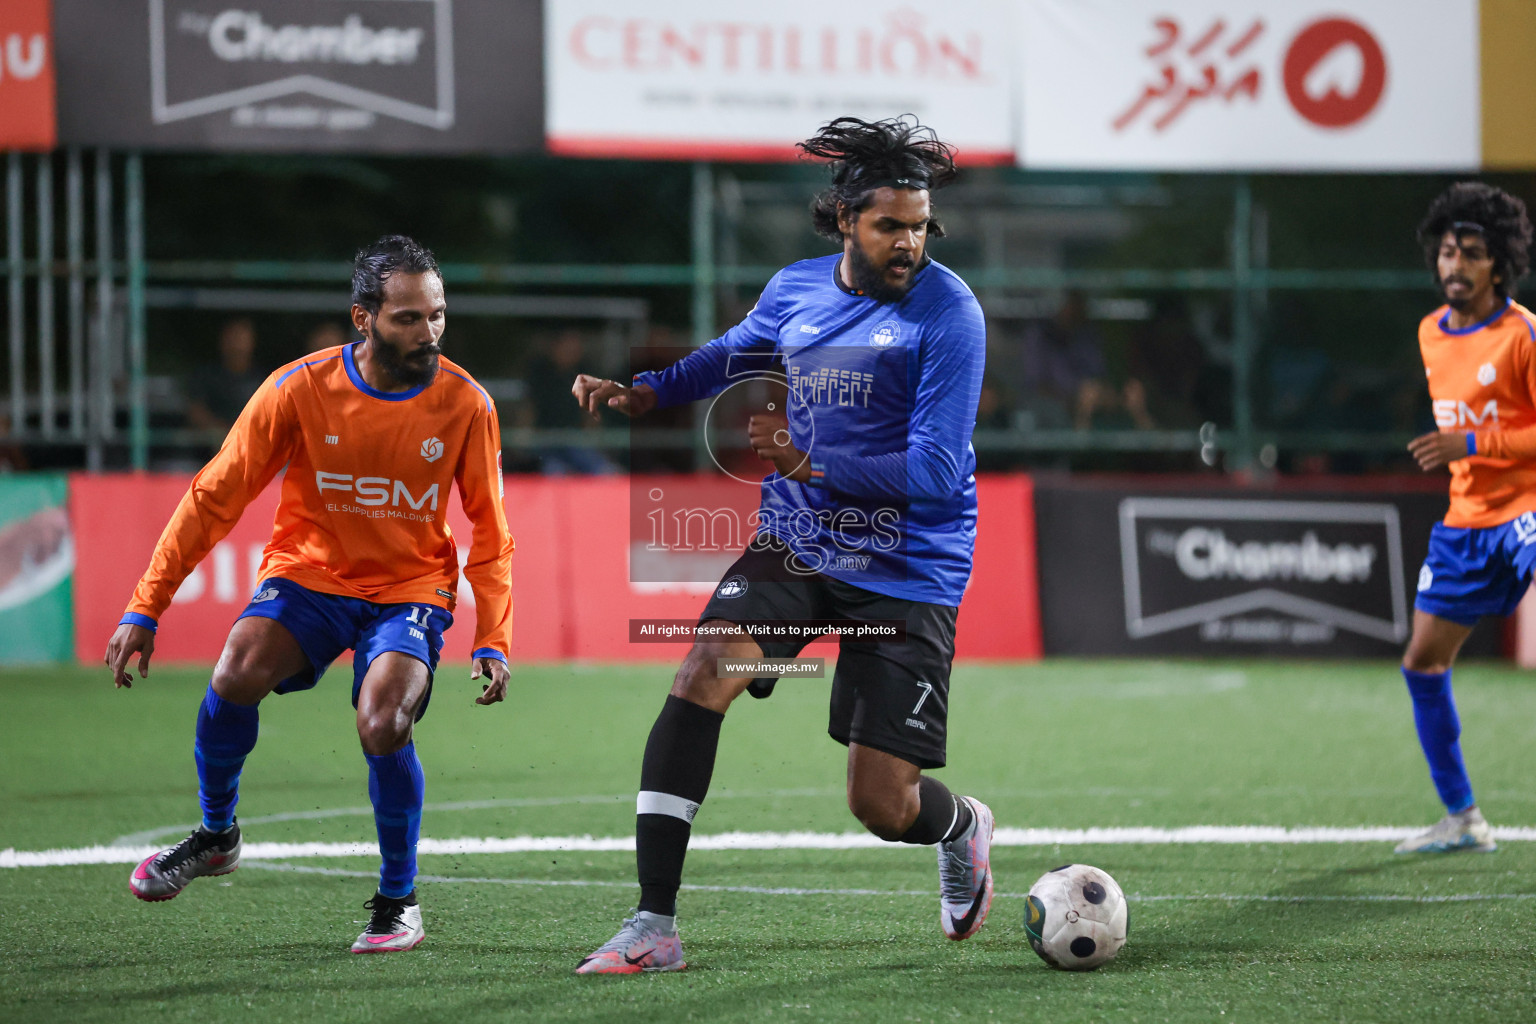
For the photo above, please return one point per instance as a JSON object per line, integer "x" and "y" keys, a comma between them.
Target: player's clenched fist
{"x": 593, "y": 393}
{"x": 769, "y": 437}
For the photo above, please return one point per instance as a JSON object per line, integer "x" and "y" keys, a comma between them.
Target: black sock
{"x": 674, "y": 777}
{"x": 941, "y": 816}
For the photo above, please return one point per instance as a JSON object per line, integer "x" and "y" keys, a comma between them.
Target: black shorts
{"x": 891, "y": 695}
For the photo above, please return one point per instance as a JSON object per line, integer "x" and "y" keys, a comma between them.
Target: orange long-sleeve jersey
{"x": 1483, "y": 381}
{"x": 364, "y": 502}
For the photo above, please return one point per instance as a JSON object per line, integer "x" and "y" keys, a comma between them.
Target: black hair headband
{"x": 912, "y": 182}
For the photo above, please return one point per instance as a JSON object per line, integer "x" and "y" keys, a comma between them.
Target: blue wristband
{"x": 1471, "y": 443}
{"x": 136, "y": 619}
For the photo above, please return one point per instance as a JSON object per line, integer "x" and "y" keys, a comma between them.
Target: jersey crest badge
{"x": 734, "y": 586}
{"x": 1486, "y": 374}
{"x": 431, "y": 449}
{"x": 885, "y": 334}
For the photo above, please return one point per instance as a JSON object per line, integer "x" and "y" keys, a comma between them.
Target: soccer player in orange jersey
{"x": 1479, "y": 354}
{"x": 373, "y": 435}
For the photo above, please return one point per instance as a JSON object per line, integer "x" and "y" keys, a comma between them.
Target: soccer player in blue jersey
{"x": 869, "y": 517}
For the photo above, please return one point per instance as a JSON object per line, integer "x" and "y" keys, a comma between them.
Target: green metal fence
{"x": 84, "y": 386}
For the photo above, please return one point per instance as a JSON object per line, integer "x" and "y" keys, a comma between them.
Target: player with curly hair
{"x": 870, "y": 517}
{"x": 1479, "y": 352}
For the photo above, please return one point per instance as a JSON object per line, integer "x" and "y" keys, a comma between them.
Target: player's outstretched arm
{"x": 593, "y": 393}
{"x": 259, "y": 444}
{"x": 497, "y": 672}
{"x": 127, "y": 641}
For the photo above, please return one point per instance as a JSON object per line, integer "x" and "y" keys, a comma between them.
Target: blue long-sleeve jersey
{"x": 882, "y": 396}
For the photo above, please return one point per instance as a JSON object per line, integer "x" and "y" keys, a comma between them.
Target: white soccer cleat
{"x": 647, "y": 942}
{"x": 162, "y": 876}
{"x": 394, "y": 927}
{"x": 1466, "y": 830}
{"x": 965, "y": 875}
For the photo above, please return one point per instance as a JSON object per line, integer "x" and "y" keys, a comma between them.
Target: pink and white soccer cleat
{"x": 394, "y": 927}
{"x": 162, "y": 876}
{"x": 647, "y": 942}
{"x": 965, "y": 876}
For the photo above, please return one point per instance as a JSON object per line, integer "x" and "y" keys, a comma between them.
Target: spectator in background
{"x": 217, "y": 392}
{"x": 549, "y": 378}
{"x": 1057, "y": 377}
{"x": 1167, "y": 361}
{"x": 12, "y": 458}
{"x": 992, "y": 413}
{"x": 325, "y": 335}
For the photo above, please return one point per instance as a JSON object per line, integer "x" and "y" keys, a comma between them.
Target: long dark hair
{"x": 1500, "y": 218}
{"x": 866, "y": 155}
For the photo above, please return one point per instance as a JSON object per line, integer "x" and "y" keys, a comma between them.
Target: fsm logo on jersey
{"x": 1286, "y": 572}
{"x": 303, "y": 65}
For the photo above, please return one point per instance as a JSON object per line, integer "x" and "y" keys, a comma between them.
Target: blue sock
{"x": 226, "y": 733}
{"x": 1434, "y": 713}
{"x": 397, "y": 787}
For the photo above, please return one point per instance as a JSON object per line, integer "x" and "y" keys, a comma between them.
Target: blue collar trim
{"x": 1445, "y": 321}
{"x": 350, "y": 360}
{"x": 296, "y": 369}
{"x": 483, "y": 393}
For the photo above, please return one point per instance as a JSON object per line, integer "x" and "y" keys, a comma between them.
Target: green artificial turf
{"x": 1316, "y": 932}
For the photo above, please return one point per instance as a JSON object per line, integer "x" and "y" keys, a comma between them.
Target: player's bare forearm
{"x": 1436, "y": 450}
{"x": 495, "y": 670}
{"x": 769, "y": 437}
{"x": 596, "y": 393}
{"x": 127, "y": 641}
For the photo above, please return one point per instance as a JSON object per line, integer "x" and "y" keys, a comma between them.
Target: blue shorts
{"x": 1470, "y": 573}
{"x": 325, "y": 625}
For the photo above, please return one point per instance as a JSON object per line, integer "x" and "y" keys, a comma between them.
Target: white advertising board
{"x": 1248, "y": 84}
{"x": 725, "y": 79}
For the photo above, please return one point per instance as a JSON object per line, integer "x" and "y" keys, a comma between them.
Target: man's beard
{"x": 870, "y": 279}
{"x": 1458, "y": 304}
{"x": 410, "y": 372}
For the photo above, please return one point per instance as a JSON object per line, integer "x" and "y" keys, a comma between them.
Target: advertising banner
{"x": 27, "y": 120}
{"x": 1249, "y": 84}
{"x": 37, "y": 562}
{"x": 394, "y": 76}
{"x": 727, "y": 79}
{"x": 118, "y": 519}
{"x": 1154, "y": 573}
{"x": 573, "y": 590}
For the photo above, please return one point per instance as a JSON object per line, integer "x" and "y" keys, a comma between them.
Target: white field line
{"x": 765, "y": 890}
{"x": 153, "y": 835}
{"x": 1223, "y": 834}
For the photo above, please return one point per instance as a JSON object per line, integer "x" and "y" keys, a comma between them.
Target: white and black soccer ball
{"x": 1076, "y": 917}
